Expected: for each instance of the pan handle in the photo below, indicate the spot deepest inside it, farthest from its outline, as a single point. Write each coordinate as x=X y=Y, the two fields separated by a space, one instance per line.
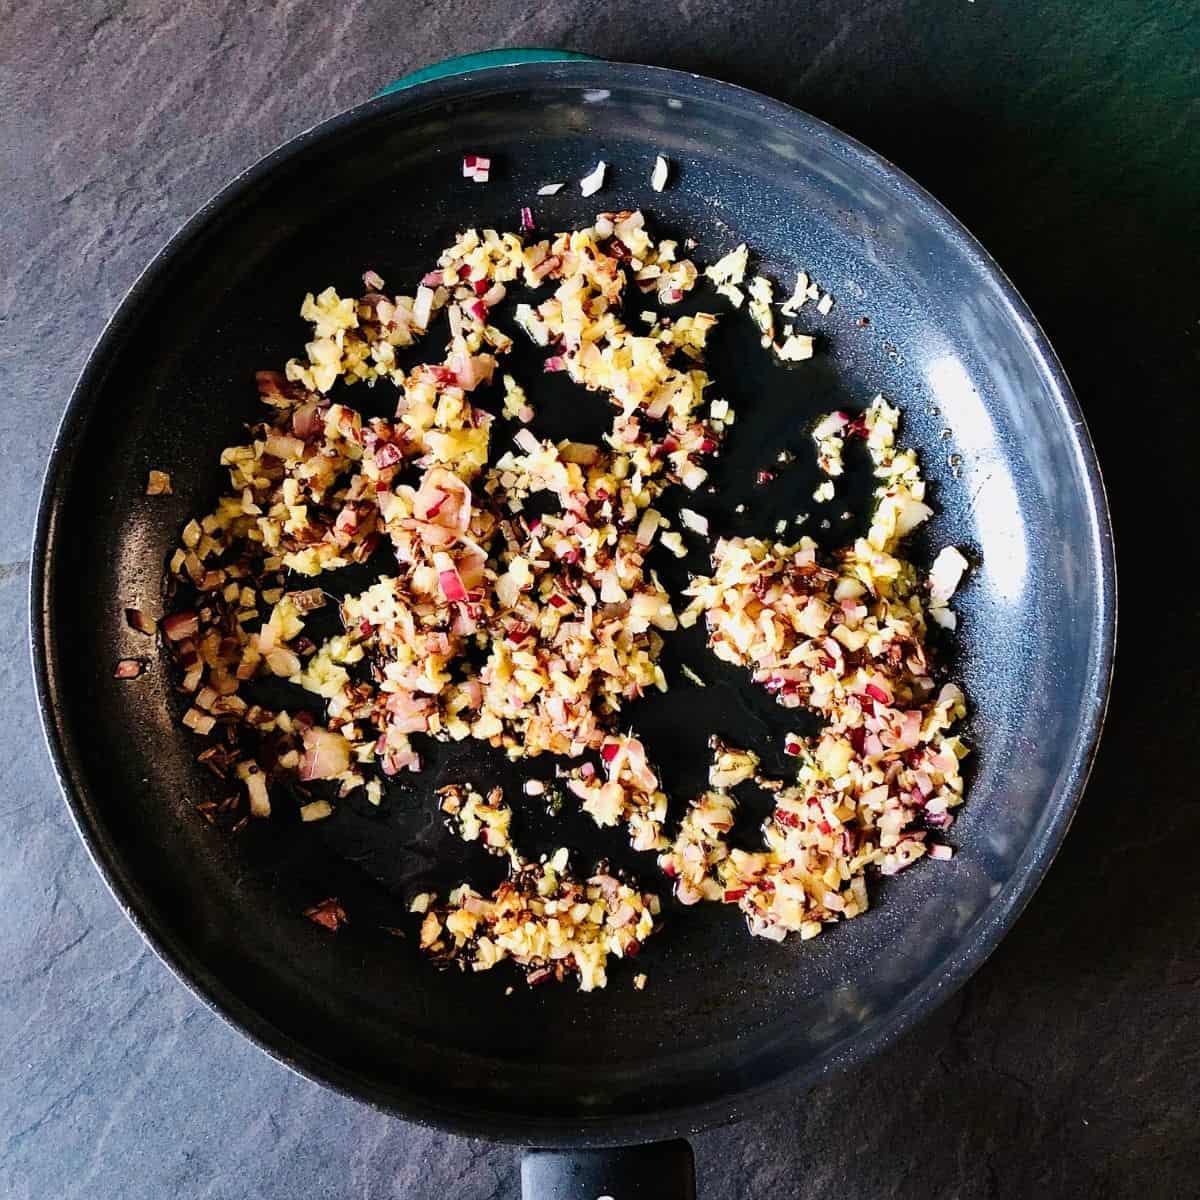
x=658 y=1171
x=463 y=63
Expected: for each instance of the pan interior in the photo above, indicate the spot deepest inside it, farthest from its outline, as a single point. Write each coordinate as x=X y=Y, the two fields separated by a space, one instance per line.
x=722 y=1013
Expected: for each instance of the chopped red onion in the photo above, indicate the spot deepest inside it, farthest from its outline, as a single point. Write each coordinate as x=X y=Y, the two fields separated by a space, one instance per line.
x=452 y=585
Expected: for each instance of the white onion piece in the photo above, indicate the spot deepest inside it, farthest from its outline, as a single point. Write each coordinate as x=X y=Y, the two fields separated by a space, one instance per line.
x=527 y=441
x=592 y=182
x=658 y=180
x=946 y=573
x=422 y=307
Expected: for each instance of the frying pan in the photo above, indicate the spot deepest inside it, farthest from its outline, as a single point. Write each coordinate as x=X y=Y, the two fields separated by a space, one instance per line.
x=726 y=1021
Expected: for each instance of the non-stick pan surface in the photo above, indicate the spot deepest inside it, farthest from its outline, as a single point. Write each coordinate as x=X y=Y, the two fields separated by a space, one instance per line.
x=922 y=314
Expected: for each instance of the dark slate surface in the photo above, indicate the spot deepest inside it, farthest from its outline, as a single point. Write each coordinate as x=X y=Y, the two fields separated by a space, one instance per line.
x=1064 y=135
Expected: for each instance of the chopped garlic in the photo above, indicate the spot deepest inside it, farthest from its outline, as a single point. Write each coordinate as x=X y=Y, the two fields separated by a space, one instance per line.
x=158 y=484
x=728 y=272
x=798 y=298
x=674 y=543
x=761 y=295
x=796 y=348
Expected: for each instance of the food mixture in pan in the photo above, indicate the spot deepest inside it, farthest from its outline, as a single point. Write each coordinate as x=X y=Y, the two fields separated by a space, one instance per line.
x=534 y=633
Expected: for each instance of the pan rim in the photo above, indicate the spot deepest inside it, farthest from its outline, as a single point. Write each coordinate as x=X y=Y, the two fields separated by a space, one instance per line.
x=609 y=1129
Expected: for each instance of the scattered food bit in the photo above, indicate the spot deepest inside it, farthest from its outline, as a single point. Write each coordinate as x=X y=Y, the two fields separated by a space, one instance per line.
x=796 y=347
x=593 y=181
x=730 y=765
x=516 y=404
x=761 y=297
x=660 y=174
x=251 y=775
x=674 y=542
x=691 y=675
x=728 y=272
x=639 y=982
x=527 y=219
x=476 y=819
x=739 y=509
x=944 y=577
x=128 y=668
x=137 y=620
x=196 y=719
x=546 y=921
x=373 y=281
x=805 y=290
x=799 y=296
x=329 y=914
x=829 y=433
x=316 y=810
x=824 y=492
x=550 y=189
x=476 y=168
x=158 y=484
x=694 y=521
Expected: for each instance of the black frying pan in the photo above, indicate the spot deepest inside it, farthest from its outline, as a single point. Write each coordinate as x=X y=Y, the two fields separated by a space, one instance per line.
x=725 y=1019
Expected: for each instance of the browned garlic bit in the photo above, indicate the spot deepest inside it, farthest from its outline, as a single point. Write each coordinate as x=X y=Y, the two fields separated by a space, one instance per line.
x=158 y=483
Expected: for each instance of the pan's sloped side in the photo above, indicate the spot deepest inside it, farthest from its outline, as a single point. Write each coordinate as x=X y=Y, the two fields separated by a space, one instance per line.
x=724 y=1018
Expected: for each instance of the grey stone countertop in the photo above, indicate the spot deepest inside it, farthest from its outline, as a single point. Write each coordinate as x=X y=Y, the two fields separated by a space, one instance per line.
x=1065 y=136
